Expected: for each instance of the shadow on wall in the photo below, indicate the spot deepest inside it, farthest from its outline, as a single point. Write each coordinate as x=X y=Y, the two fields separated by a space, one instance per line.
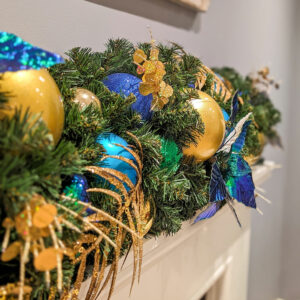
x=162 y=11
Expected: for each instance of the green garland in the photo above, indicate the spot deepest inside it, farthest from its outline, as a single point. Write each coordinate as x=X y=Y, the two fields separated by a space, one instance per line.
x=178 y=187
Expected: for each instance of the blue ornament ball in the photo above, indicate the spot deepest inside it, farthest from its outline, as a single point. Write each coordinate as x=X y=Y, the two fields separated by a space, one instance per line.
x=225 y=115
x=77 y=189
x=108 y=141
x=125 y=84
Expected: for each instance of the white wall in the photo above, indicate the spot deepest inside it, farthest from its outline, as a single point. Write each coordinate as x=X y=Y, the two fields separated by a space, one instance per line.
x=245 y=34
x=290 y=276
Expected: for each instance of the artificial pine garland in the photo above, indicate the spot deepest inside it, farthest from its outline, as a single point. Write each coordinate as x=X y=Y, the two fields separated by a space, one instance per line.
x=175 y=187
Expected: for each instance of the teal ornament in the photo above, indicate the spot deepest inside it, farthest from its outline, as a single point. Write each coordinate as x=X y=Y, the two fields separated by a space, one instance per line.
x=126 y=84
x=225 y=115
x=171 y=155
x=109 y=141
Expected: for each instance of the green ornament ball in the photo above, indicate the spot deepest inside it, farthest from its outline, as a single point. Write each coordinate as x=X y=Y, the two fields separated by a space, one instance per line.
x=171 y=155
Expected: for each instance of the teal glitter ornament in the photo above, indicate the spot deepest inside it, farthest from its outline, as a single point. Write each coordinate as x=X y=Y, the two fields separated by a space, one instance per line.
x=171 y=155
x=110 y=143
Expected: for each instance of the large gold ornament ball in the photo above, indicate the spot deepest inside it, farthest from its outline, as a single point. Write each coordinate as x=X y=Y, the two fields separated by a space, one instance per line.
x=252 y=159
x=84 y=98
x=36 y=90
x=212 y=117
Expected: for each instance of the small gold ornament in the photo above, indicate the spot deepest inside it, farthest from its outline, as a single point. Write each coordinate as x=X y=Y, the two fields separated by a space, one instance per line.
x=252 y=159
x=212 y=117
x=36 y=90
x=84 y=98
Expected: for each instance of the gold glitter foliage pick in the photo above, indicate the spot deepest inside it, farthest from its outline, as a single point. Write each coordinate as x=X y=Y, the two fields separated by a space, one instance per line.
x=223 y=88
x=217 y=86
x=133 y=217
x=36 y=222
x=153 y=72
x=41 y=224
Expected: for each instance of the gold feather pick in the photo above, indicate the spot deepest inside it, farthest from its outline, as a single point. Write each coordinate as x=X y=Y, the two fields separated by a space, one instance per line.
x=131 y=207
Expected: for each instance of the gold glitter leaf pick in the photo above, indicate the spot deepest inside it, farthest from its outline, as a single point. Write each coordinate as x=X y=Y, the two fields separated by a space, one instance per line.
x=7 y=222
x=139 y=56
x=12 y=251
x=154 y=71
x=165 y=90
x=146 y=88
x=44 y=216
x=26 y=289
x=149 y=66
x=154 y=54
x=47 y=259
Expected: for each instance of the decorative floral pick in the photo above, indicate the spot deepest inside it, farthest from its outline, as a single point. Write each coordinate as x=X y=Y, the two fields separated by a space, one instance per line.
x=153 y=71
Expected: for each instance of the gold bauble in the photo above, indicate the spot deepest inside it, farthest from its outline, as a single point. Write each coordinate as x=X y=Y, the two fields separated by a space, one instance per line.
x=252 y=159
x=36 y=90
x=84 y=98
x=212 y=117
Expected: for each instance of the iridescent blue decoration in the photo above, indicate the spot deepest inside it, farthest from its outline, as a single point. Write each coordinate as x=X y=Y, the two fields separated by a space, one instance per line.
x=77 y=189
x=238 y=176
x=108 y=141
x=208 y=212
x=16 y=55
x=125 y=84
x=217 y=187
x=234 y=107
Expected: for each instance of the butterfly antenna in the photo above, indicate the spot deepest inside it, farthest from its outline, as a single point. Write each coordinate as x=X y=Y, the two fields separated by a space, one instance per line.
x=233 y=211
x=263 y=197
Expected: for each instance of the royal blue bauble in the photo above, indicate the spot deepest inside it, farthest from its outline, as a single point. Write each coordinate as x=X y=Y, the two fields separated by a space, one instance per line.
x=108 y=141
x=77 y=188
x=225 y=115
x=126 y=84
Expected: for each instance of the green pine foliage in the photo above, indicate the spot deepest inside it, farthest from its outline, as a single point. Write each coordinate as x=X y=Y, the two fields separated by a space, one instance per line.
x=177 y=121
x=265 y=114
x=31 y=164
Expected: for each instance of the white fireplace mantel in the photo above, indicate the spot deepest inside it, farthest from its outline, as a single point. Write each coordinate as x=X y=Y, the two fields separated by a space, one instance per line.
x=208 y=258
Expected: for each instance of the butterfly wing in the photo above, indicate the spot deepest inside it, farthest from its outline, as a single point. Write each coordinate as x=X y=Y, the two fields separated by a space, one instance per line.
x=239 y=181
x=239 y=176
x=209 y=212
x=240 y=141
x=234 y=107
x=217 y=187
x=234 y=134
